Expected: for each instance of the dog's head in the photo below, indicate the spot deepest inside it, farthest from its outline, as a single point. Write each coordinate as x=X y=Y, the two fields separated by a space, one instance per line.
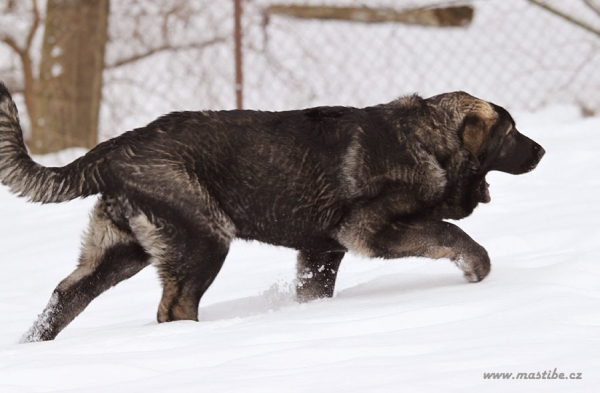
x=488 y=132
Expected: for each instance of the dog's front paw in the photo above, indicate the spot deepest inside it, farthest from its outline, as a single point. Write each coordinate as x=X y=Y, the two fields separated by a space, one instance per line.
x=475 y=266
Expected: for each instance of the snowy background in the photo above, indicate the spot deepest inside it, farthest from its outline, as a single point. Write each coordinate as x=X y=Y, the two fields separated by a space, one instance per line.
x=407 y=325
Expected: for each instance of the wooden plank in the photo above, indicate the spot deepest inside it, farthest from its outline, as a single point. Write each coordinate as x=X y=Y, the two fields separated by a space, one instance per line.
x=451 y=16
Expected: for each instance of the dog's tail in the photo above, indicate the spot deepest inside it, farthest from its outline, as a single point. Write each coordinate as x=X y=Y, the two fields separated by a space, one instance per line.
x=28 y=179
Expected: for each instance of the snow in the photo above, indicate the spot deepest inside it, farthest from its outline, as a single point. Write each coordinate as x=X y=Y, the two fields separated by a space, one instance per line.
x=411 y=325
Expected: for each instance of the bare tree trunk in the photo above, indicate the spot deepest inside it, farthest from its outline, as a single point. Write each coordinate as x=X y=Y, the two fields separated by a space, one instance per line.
x=69 y=89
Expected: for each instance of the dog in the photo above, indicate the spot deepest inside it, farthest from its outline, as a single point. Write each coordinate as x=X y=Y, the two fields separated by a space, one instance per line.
x=377 y=181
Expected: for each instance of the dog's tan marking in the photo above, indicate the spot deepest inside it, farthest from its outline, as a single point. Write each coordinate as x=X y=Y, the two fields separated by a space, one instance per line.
x=150 y=238
x=101 y=235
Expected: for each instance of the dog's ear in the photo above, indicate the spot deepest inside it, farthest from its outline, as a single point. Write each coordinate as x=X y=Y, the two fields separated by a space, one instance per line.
x=473 y=134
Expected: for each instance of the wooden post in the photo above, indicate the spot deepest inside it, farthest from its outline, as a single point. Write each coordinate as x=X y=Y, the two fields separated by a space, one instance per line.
x=438 y=16
x=239 y=72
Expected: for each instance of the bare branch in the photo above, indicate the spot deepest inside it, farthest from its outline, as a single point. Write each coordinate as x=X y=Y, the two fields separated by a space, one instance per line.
x=165 y=22
x=12 y=44
x=34 y=26
x=165 y=48
x=10 y=41
x=565 y=16
x=594 y=7
x=29 y=81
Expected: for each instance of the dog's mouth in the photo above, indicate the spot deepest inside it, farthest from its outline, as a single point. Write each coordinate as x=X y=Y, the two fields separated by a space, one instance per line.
x=484 y=192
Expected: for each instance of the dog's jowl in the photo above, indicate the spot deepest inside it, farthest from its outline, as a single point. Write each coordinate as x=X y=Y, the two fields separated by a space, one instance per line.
x=376 y=181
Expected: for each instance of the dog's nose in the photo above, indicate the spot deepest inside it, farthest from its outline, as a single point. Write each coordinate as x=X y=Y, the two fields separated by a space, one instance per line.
x=540 y=151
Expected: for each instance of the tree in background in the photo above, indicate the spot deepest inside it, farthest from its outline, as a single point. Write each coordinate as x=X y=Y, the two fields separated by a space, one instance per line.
x=60 y=67
x=69 y=88
x=64 y=100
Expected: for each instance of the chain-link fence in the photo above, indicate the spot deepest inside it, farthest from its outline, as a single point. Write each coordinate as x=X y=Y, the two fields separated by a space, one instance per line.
x=513 y=53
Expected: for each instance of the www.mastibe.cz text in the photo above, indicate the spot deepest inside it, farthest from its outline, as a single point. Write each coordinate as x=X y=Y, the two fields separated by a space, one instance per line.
x=548 y=374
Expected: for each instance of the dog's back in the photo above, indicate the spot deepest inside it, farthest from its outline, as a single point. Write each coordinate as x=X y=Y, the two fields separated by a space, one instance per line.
x=277 y=176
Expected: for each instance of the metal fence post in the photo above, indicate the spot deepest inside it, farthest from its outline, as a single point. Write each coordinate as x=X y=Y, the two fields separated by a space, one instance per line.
x=239 y=72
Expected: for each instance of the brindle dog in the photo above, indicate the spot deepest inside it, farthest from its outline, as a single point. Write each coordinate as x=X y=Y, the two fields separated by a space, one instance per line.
x=376 y=181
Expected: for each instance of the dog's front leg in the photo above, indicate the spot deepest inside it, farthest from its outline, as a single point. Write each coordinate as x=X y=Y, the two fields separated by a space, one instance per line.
x=422 y=238
x=317 y=272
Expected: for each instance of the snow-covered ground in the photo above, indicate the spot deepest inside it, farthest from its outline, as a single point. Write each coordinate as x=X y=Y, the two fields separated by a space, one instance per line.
x=411 y=325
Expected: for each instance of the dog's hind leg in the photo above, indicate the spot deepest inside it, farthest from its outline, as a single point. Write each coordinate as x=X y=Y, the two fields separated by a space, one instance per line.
x=110 y=254
x=186 y=280
x=316 y=274
x=188 y=253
